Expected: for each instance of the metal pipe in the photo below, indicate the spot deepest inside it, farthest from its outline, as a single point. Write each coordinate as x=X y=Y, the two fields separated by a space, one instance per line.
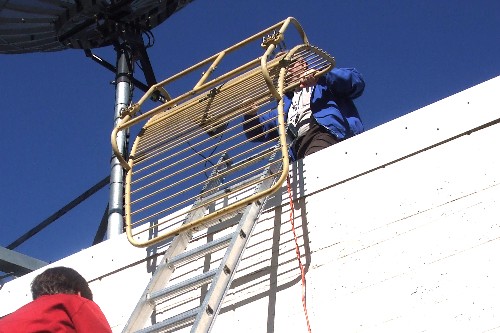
x=122 y=101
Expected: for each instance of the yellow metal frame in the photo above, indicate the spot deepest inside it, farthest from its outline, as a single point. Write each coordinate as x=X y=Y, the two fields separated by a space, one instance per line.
x=208 y=105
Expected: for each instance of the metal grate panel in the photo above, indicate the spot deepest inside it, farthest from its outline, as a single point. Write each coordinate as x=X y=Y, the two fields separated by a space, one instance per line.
x=192 y=152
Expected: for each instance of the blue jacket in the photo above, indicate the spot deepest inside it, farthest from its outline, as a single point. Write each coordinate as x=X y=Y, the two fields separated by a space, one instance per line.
x=331 y=104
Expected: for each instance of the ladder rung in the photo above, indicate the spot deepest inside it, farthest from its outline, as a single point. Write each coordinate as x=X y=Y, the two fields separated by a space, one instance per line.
x=181 y=287
x=202 y=250
x=177 y=321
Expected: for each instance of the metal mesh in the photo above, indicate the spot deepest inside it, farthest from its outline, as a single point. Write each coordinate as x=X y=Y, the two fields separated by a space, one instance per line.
x=193 y=164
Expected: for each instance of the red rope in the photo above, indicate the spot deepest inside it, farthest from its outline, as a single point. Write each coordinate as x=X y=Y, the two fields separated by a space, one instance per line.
x=297 y=251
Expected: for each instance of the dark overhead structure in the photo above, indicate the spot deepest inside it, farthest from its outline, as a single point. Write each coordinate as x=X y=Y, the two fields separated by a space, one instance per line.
x=53 y=25
x=28 y=26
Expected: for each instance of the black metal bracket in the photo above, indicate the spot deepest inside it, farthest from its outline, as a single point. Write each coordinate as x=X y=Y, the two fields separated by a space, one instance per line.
x=146 y=67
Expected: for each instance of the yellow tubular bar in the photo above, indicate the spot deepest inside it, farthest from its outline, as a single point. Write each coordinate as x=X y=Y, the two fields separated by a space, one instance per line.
x=192 y=164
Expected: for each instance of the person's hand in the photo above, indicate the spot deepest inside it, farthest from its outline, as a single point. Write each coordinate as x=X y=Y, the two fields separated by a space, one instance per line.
x=308 y=79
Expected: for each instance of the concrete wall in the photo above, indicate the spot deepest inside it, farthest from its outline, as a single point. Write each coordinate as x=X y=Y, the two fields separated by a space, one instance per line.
x=398 y=228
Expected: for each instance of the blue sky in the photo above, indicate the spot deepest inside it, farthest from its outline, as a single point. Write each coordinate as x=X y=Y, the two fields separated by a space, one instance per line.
x=57 y=108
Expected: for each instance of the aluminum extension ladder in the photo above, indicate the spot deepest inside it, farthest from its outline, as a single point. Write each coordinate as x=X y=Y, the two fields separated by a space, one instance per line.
x=164 y=172
x=202 y=318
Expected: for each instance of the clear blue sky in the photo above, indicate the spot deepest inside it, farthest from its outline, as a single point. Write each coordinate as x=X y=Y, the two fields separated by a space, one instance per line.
x=57 y=108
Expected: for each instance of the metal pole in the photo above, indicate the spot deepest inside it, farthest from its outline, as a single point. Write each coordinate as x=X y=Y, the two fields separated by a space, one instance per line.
x=122 y=100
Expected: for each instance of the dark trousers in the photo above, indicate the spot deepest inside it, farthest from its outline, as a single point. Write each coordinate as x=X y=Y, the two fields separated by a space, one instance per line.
x=316 y=138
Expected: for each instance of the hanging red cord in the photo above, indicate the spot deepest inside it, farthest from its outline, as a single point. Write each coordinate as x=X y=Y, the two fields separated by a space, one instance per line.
x=297 y=251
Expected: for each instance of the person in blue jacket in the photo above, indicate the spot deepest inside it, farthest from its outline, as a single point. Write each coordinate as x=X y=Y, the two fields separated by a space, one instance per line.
x=318 y=114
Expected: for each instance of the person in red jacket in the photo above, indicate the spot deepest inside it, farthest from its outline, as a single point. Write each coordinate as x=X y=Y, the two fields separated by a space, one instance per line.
x=62 y=302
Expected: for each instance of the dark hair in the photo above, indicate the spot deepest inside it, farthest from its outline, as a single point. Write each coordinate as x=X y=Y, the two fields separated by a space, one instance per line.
x=60 y=280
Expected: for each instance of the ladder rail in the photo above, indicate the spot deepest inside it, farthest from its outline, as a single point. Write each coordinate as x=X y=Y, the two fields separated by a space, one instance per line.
x=164 y=271
x=228 y=267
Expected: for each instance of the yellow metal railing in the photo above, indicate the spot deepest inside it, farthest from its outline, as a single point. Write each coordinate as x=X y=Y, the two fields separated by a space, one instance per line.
x=192 y=155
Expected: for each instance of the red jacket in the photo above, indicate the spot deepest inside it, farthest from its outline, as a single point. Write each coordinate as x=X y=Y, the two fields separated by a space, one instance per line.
x=60 y=313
